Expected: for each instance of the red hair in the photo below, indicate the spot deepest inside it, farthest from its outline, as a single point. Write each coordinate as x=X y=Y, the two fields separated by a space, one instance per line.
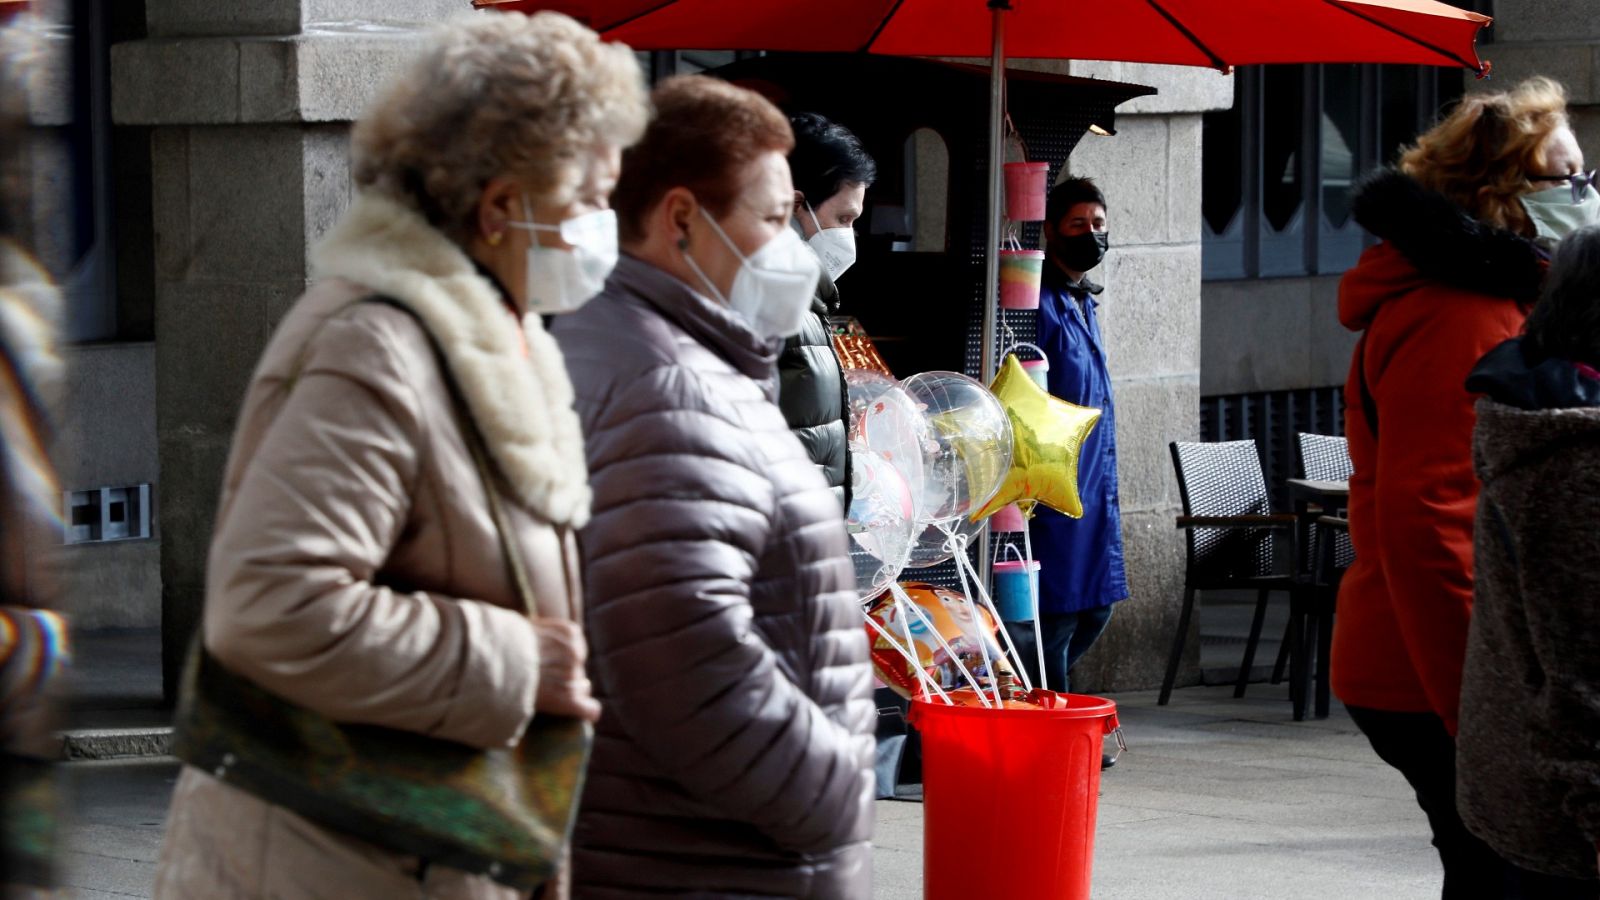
x=704 y=132
x=1494 y=141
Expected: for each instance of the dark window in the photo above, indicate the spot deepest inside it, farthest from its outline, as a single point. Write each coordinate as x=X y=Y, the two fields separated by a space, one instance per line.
x=1278 y=167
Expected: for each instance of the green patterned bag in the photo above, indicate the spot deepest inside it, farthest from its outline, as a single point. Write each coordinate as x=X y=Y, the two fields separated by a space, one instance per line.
x=506 y=814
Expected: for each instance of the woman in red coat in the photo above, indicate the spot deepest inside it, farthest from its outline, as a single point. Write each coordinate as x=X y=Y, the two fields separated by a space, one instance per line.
x=1461 y=219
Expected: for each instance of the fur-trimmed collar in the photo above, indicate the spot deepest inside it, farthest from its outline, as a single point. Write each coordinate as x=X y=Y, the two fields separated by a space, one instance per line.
x=1444 y=243
x=522 y=405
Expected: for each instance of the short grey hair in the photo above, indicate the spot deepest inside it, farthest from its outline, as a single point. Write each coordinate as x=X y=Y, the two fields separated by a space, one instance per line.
x=495 y=94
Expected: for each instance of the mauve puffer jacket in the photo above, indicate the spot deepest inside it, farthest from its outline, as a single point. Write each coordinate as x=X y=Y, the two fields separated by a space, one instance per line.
x=734 y=756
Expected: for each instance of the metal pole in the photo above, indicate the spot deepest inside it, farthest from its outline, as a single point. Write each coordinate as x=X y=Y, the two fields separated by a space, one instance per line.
x=991 y=258
x=997 y=112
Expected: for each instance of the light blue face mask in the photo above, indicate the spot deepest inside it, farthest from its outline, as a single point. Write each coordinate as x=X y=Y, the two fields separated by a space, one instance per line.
x=1555 y=214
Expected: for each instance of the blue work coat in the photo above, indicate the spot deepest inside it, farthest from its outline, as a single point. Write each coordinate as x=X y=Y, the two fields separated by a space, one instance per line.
x=1081 y=563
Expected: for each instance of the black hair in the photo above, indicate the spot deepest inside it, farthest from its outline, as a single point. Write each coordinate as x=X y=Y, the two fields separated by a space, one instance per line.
x=1069 y=193
x=1565 y=324
x=826 y=156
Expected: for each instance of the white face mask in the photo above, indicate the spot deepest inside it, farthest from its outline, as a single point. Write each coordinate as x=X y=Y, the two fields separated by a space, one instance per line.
x=561 y=280
x=836 y=247
x=774 y=287
x=1555 y=216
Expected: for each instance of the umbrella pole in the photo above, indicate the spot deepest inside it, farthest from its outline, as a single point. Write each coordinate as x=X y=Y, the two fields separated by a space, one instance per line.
x=997 y=112
x=991 y=259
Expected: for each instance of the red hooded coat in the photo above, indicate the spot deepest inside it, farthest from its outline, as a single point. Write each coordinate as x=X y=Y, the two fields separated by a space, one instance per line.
x=1438 y=293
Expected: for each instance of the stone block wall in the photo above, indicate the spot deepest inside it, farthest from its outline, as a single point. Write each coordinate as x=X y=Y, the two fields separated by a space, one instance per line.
x=1272 y=334
x=1150 y=316
x=106 y=437
x=248 y=108
x=1558 y=38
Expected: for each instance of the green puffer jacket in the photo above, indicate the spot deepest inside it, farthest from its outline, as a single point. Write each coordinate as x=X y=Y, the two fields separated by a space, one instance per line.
x=812 y=394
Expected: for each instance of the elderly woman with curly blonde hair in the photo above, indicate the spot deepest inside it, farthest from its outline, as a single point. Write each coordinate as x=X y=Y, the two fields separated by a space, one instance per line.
x=395 y=546
x=1463 y=221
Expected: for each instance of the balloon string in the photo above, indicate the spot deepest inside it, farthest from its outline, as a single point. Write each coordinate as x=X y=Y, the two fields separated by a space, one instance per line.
x=915 y=665
x=1016 y=657
x=901 y=597
x=977 y=620
x=1010 y=549
x=1033 y=592
x=1014 y=346
x=905 y=629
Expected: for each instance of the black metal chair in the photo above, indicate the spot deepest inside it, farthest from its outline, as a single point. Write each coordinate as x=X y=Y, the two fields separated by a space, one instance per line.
x=1322 y=458
x=1233 y=538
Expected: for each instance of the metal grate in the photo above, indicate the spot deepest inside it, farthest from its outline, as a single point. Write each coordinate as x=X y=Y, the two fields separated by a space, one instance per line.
x=1326 y=457
x=1272 y=419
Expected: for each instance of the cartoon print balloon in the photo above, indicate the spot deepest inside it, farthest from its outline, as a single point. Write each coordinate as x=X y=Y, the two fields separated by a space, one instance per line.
x=1048 y=435
x=884 y=419
x=969 y=443
x=881 y=523
x=949 y=612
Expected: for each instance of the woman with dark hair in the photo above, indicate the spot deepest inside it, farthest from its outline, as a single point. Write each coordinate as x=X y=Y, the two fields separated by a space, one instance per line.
x=1456 y=270
x=831 y=175
x=1528 y=770
x=733 y=758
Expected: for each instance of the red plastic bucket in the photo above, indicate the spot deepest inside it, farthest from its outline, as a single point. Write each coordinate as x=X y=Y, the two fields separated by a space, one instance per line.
x=1009 y=797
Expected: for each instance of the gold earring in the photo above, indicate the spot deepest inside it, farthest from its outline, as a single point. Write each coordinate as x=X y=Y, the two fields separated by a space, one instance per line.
x=494 y=238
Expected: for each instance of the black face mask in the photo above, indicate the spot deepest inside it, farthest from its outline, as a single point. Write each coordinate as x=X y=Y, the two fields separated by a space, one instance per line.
x=1080 y=252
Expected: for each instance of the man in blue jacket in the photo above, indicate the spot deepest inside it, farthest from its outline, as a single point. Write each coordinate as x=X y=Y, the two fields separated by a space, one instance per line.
x=1081 y=568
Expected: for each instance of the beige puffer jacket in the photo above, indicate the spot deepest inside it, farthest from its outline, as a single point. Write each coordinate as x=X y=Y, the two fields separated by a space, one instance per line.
x=733 y=758
x=356 y=569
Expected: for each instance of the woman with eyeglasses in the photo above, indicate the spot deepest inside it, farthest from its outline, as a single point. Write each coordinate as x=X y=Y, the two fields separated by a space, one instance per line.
x=1461 y=218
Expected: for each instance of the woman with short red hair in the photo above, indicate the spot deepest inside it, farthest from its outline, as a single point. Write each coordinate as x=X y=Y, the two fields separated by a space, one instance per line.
x=734 y=754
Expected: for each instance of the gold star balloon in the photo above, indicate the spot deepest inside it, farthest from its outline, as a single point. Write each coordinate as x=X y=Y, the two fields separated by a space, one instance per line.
x=1048 y=435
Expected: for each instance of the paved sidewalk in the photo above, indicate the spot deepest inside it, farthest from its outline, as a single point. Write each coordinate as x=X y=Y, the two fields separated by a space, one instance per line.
x=1232 y=800
x=1218 y=798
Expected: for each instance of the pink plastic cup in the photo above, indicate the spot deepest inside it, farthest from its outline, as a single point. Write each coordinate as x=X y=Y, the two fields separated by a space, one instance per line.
x=1008 y=519
x=1039 y=371
x=1026 y=190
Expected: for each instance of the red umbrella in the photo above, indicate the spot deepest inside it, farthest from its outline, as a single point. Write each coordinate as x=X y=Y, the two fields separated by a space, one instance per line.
x=1216 y=33
x=1219 y=33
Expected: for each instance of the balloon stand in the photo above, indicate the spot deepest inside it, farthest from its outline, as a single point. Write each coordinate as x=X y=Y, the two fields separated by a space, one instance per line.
x=1031 y=770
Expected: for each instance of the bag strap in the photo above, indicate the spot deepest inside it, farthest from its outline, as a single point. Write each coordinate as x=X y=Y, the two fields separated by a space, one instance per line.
x=476 y=446
x=1369 y=406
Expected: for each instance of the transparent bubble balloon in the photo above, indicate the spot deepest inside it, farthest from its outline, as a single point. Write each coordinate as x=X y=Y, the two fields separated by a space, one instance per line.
x=885 y=420
x=968 y=449
x=881 y=523
x=932 y=546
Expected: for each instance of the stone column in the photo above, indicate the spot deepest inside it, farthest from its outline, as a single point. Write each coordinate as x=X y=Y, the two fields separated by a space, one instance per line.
x=1150 y=315
x=250 y=105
